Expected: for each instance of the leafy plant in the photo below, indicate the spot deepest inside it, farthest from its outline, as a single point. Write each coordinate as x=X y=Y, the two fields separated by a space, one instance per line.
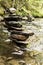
x=24 y=7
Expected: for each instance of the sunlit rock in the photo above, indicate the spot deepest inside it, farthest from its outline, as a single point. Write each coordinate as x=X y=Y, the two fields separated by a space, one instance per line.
x=8 y=40
x=12 y=10
x=22 y=62
x=5 y=31
x=1 y=18
x=17 y=52
x=14 y=24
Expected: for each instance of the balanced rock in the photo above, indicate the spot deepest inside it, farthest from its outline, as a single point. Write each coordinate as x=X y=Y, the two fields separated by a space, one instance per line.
x=14 y=24
x=13 y=28
x=19 y=37
x=17 y=53
x=18 y=33
x=26 y=33
x=13 y=18
x=20 y=42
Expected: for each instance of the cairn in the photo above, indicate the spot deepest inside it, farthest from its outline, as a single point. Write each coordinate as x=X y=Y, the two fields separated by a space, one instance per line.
x=18 y=34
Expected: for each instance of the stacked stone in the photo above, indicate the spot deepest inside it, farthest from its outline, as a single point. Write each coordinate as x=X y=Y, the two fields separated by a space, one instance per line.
x=18 y=35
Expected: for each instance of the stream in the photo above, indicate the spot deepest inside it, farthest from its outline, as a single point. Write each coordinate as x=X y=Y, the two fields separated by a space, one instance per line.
x=34 y=53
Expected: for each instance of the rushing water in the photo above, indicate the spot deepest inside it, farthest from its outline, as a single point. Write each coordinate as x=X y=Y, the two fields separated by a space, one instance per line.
x=34 y=53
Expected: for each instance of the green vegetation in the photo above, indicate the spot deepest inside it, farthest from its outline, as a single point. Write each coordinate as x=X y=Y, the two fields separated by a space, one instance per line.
x=24 y=7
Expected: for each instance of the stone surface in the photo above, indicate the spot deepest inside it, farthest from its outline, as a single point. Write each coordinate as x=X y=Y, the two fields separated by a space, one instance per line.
x=13 y=28
x=32 y=55
x=1 y=18
x=20 y=42
x=17 y=53
x=26 y=33
x=13 y=18
x=19 y=37
x=13 y=24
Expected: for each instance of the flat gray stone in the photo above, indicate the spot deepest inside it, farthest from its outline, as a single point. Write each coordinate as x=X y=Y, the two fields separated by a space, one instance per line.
x=17 y=53
x=28 y=32
x=20 y=42
x=13 y=24
x=13 y=28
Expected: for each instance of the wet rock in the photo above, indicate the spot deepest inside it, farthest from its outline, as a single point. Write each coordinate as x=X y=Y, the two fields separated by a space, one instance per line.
x=25 y=49
x=22 y=35
x=9 y=58
x=19 y=37
x=13 y=18
x=13 y=28
x=17 y=52
x=20 y=42
x=14 y=24
x=22 y=62
x=16 y=48
x=12 y=31
x=26 y=33
x=5 y=31
x=19 y=34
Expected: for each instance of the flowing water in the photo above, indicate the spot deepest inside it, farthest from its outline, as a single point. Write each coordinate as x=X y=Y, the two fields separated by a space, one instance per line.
x=34 y=53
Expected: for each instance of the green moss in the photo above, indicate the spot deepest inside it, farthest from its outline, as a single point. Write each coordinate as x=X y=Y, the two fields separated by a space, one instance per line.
x=25 y=7
x=1 y=11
